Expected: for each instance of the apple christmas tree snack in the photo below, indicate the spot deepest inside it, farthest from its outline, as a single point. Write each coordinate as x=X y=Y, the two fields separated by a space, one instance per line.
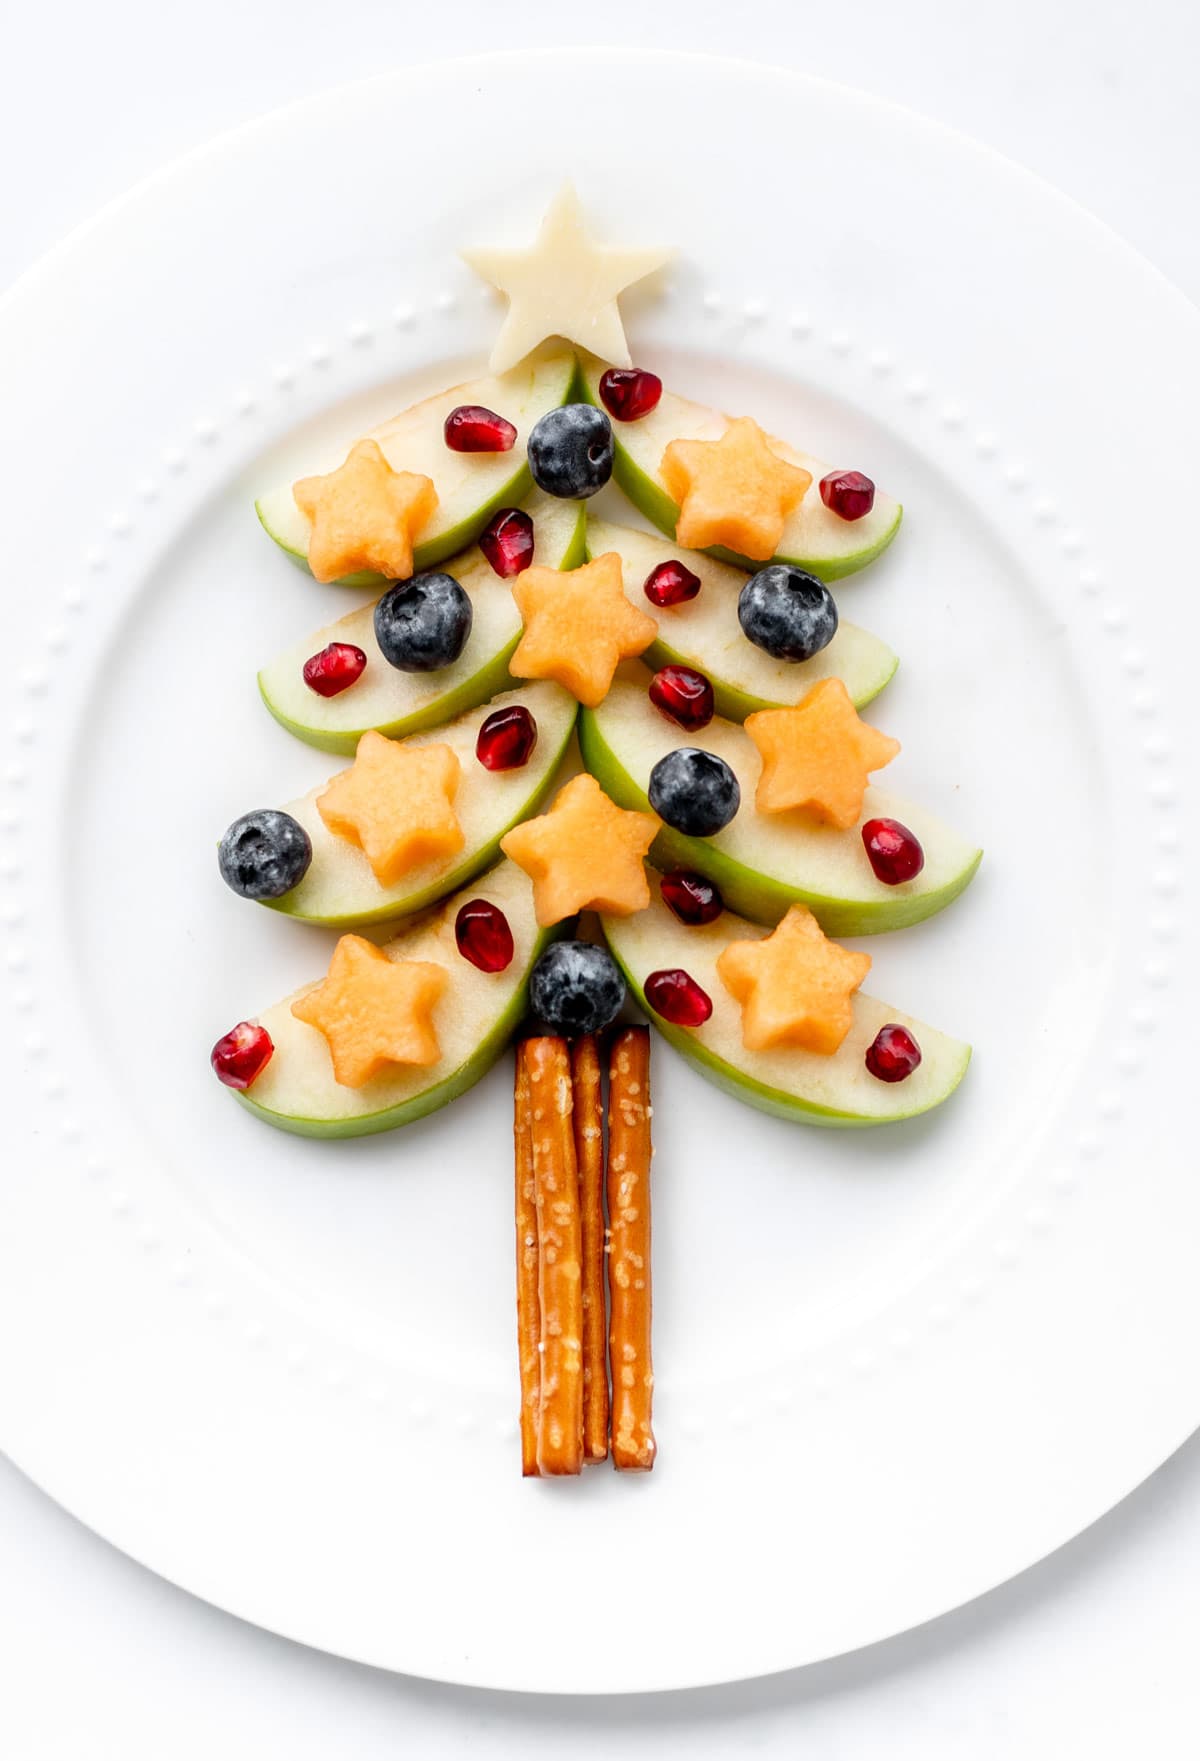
x=726 y=824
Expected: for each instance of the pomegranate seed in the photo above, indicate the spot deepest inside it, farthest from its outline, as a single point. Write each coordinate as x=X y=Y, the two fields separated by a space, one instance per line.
x=893 y=1054
x=628 y=392
x=241 y=1056
x=471 y=428
x=483 y=936
x=848 y=494
x=894 y=852
x=670 y=584
x=335 y=669
x=692 y=898
x=683 y=695
x=507 y=542
x=675 y=995
x=506 y=739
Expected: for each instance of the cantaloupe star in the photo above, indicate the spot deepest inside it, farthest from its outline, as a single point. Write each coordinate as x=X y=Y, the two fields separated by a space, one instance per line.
x=397 y=803
x=586 y=854
x=563 y=284
x=795 y=986
x=579 y=626
x=364 y=515
x=374 y=1011
x=818 y=756
x=733 y=491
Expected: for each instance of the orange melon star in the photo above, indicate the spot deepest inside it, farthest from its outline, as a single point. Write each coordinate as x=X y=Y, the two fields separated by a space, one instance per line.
x=397 y=803
x=818 y=756
x=579 y=627
x=585 y=854
x=364 y=515
x=795 y=986
x=734 y=491
x=374 y=1011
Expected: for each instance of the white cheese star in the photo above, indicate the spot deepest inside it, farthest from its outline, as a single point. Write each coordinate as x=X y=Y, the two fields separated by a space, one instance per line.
x=563 y=284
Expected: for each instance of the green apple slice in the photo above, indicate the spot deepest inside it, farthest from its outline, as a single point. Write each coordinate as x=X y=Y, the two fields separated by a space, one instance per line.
x=399 y=703
x=704 y=633
x=340 y=889
x=765 y=862
x=470 y=486
x=475 y=1019
x=793 y=1084
x=814 y=538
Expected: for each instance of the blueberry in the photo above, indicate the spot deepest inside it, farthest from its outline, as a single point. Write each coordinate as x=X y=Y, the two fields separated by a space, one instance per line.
x=423 y=624
x=576 y=987
x=264 y=855
x=694 y=791
x=571 y=451
x=788 y=612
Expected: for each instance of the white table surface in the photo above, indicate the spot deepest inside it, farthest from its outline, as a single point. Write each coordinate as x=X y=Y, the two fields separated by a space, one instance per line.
x=1093 y=1652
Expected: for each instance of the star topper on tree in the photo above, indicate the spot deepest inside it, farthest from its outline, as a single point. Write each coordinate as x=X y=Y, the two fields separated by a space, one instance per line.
x=563 y=284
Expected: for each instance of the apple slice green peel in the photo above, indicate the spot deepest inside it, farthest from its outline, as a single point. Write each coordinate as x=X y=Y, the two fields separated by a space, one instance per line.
x=814 y=538
x=793 y=1084
x=475 y=1019
x=340 y=889
x=470 y=486
x=397 y=703
x=765 y=862
x=705 y=633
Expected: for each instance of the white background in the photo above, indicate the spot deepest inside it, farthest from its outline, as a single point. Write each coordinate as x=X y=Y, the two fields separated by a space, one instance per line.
x=1093 y=1653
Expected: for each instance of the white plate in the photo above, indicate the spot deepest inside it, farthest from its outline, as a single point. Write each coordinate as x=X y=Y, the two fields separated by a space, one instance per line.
x=894 y=1367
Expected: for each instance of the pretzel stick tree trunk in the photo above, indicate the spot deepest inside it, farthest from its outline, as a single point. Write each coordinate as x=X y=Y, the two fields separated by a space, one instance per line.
x=529 y=1319
x=560 y=1286
x=589 y=1154
x=629 y=1153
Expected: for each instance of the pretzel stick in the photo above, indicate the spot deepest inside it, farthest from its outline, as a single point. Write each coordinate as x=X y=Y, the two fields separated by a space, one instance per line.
x=529 y=1320
x=589 y=1154
x=629 y=1152
x=560 y=1288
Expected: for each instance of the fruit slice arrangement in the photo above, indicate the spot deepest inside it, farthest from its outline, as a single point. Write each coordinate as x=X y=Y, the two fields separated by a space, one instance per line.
x=717 y=693
x=678 y=975
x=711 y=620
x=364 y=682
x=412 y=819
x=777 y=814
x=470 y=1012
x=686 y=466
x=466 y=445
x=764 y=862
